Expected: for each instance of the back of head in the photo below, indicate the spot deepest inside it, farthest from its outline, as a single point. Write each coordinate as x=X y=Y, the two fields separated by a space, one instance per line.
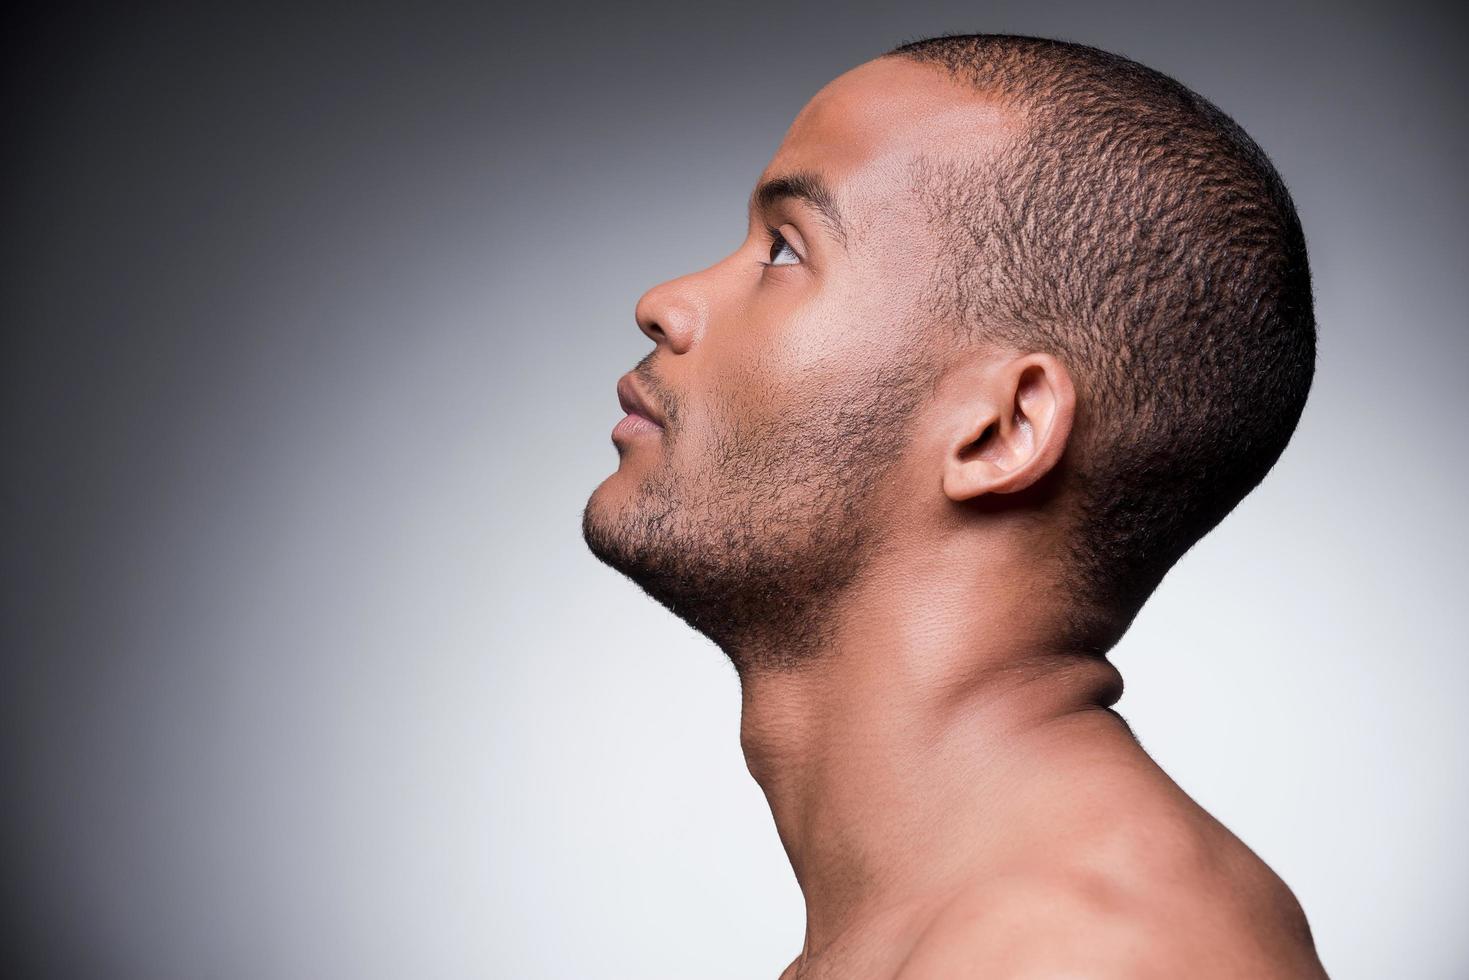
x=1135 y=231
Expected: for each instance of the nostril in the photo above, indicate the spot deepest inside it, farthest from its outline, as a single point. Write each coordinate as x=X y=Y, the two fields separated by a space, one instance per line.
x=670 y=314
x=650 y=325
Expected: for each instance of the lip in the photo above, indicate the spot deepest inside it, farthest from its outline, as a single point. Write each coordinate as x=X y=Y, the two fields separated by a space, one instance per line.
x=633 y=426
x=635 y=403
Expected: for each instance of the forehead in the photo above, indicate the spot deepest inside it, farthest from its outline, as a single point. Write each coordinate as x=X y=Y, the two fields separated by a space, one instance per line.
x=864 y=128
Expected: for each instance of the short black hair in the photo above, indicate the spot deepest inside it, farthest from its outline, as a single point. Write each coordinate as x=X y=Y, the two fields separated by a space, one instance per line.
x=1134 y=230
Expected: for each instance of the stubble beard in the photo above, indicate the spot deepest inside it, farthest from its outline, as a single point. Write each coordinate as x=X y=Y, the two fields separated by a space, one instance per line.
x=759 y=551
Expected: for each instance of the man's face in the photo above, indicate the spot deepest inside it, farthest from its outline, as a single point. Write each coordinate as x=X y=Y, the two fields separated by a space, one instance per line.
x=791 y=391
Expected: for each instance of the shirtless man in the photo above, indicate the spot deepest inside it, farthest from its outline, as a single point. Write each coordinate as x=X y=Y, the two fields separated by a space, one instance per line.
x=1015 y=322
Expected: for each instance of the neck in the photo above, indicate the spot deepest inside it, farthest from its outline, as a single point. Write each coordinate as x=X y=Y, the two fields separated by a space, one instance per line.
x=887 y=759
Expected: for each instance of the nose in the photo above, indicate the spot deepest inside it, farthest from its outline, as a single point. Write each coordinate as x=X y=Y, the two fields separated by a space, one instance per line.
x=673 y=312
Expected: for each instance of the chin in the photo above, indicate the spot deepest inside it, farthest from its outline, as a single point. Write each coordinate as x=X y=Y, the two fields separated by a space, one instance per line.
x=603 y=518
x=596 y=510
x=615 y=491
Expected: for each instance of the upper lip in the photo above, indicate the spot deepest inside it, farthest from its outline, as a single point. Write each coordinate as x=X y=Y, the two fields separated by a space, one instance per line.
x=634 y=402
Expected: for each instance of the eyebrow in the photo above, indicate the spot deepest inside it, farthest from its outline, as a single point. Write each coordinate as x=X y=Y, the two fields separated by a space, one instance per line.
x=802 y=185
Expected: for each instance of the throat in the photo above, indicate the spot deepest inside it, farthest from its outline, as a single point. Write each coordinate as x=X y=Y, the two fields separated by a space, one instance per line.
x=888 y=776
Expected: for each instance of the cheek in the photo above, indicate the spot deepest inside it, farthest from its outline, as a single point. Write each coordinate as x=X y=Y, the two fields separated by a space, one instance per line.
x=749 y=395
x=750 y=367
x=789 y=355
x=834 y=343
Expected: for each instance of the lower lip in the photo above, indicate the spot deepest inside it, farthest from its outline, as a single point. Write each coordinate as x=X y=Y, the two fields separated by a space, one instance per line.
x=635 y=425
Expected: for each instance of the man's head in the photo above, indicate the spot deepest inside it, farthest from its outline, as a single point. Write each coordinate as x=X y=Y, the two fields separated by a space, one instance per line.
x=1022 y=293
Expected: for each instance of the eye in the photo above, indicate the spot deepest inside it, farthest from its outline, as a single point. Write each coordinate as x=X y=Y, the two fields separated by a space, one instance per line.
x=781 y=252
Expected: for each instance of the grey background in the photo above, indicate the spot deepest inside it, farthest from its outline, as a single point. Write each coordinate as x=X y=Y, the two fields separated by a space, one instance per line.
x=312 y=320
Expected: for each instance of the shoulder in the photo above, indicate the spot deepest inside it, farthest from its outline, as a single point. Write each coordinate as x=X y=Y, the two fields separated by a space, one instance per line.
x=1022 y=926
x=1184 y=913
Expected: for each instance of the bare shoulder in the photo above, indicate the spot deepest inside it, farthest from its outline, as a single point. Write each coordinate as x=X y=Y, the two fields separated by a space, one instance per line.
x=1025 y=926
x=1166 y=900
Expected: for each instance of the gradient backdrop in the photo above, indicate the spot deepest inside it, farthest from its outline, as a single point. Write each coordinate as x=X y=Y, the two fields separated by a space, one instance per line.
x=311 y=324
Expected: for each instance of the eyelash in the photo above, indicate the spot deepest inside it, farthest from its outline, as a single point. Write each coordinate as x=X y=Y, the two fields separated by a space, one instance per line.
x=773 y=235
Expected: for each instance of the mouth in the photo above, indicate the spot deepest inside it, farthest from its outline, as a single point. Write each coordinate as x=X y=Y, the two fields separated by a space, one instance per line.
x=642 y=417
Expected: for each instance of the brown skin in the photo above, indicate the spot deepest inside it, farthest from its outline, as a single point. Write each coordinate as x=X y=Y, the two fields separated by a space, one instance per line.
x=954 y=794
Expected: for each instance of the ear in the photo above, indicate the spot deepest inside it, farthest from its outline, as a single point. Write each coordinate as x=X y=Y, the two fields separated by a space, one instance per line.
x=1015 y=430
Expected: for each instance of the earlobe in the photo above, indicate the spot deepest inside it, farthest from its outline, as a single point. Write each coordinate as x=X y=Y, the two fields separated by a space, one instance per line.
x=1019 y=433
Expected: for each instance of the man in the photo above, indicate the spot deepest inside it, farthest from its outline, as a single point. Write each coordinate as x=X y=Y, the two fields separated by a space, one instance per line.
x=1015 y=323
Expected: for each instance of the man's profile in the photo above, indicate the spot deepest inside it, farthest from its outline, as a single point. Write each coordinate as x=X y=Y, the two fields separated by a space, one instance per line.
x=1015 y=323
